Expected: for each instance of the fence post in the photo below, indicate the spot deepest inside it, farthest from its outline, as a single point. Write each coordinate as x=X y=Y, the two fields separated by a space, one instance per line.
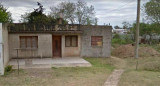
x=17 y=61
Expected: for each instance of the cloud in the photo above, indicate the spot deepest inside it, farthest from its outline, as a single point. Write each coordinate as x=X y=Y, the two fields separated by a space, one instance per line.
x=107 y=11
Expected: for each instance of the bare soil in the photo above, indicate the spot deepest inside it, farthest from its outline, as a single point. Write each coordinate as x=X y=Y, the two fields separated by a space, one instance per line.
x=126 y=51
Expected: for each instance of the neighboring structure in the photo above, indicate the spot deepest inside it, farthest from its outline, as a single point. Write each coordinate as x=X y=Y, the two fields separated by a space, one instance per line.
x=50 y=41
x=120 y=31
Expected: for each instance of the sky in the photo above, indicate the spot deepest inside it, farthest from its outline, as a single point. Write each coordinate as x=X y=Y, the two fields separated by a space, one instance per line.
x=112 y=12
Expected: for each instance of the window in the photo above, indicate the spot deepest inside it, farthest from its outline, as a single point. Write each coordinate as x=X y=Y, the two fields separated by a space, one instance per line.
x=28 y=41
x=71 y=41
x=96 y=41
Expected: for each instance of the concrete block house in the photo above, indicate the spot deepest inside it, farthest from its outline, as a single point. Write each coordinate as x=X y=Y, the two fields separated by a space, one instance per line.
x=55 y=41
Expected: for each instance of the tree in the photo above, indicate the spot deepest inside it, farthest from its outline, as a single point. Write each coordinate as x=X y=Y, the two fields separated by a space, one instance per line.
x=39 y=18
x=35 y=17
x=75 y=12
x=83 y=12
x=5 y=16
x=149 y=30
x=152 y=10
x=116 y=27
x=67 y=9
x=126 y=25
x=96 y=21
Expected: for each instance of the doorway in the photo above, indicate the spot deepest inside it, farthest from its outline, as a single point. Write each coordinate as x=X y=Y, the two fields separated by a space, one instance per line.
x=56 y=46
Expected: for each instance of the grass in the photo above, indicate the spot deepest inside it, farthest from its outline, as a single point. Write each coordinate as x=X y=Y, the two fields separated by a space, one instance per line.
x=74 y=76
x=140 y=78
x=155 y=46
x=148 y=73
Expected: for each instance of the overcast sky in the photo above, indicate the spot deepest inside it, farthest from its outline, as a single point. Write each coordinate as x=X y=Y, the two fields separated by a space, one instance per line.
x=107 y=11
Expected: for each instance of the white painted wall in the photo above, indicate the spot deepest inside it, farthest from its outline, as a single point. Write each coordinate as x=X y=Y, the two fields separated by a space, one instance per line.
x=5 y=44
x=1 y=52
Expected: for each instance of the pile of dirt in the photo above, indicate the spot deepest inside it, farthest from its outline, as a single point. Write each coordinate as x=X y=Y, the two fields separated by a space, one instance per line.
x=126 y=51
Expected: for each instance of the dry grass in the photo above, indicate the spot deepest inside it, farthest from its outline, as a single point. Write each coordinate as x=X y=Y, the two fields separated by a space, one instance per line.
x=77 y=76
x=148 y=73
x=140 y=78
x=125 y=51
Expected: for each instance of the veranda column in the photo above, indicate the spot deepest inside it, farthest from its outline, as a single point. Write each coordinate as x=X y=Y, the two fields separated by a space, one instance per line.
x=1 y=52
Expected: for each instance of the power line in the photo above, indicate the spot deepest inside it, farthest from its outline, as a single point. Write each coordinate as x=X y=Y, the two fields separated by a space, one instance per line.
x=122 y=6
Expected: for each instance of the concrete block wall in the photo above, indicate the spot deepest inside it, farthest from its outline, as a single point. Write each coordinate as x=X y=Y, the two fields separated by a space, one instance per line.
x=84 y=43
x=44 y=45
x=89 y=51
x=71 y=51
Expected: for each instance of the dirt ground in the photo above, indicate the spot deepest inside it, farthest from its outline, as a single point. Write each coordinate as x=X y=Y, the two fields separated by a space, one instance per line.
x=125 y=51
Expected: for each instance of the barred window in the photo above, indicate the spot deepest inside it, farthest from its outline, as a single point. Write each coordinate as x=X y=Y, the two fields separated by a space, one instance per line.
x=96 y=41
x=71 y=41
x=28 y=42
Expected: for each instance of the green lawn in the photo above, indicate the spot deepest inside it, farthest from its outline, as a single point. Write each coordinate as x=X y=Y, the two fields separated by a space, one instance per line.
x=74 y=76
x=148 y=73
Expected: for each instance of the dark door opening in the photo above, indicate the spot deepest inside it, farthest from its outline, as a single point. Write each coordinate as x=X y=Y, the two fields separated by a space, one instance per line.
x=56 y=40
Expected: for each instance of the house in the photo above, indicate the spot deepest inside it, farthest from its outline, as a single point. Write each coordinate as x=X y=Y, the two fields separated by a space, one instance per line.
x=53 y=41
x=120 y=31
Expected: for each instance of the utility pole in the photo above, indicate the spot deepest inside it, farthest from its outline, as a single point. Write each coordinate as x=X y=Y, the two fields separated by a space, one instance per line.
x=137 y=32
x=137 y=29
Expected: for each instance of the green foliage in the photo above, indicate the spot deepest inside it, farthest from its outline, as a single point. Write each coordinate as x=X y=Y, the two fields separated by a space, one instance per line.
x=117 y=36
x=152 y=9
x=38 y=17
x=8 y=68
x=126 y=25
x=147 y=28
x=5 y=16
x=119 y=39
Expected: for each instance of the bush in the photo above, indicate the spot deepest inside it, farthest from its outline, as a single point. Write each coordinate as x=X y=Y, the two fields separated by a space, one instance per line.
x=116 y=36
x=121 y=39
x=8 y=68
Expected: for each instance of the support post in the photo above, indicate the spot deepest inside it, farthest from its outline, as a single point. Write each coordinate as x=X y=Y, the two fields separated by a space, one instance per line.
x=17 y=61
x=1 y=52
x=137 y=33
x=137 y=30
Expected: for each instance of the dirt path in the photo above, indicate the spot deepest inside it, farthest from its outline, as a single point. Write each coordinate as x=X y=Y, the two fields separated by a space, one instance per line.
x=114 y=78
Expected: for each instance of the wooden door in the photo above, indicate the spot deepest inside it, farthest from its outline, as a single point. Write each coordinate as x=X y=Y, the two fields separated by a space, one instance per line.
x=56 y=40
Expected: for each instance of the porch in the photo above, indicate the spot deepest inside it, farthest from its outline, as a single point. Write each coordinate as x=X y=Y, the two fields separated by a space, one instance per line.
x=49 y=62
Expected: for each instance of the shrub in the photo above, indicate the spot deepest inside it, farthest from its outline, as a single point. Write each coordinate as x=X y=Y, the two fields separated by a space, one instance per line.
x=116 y=36
x=121 y=39
x=8 y=68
